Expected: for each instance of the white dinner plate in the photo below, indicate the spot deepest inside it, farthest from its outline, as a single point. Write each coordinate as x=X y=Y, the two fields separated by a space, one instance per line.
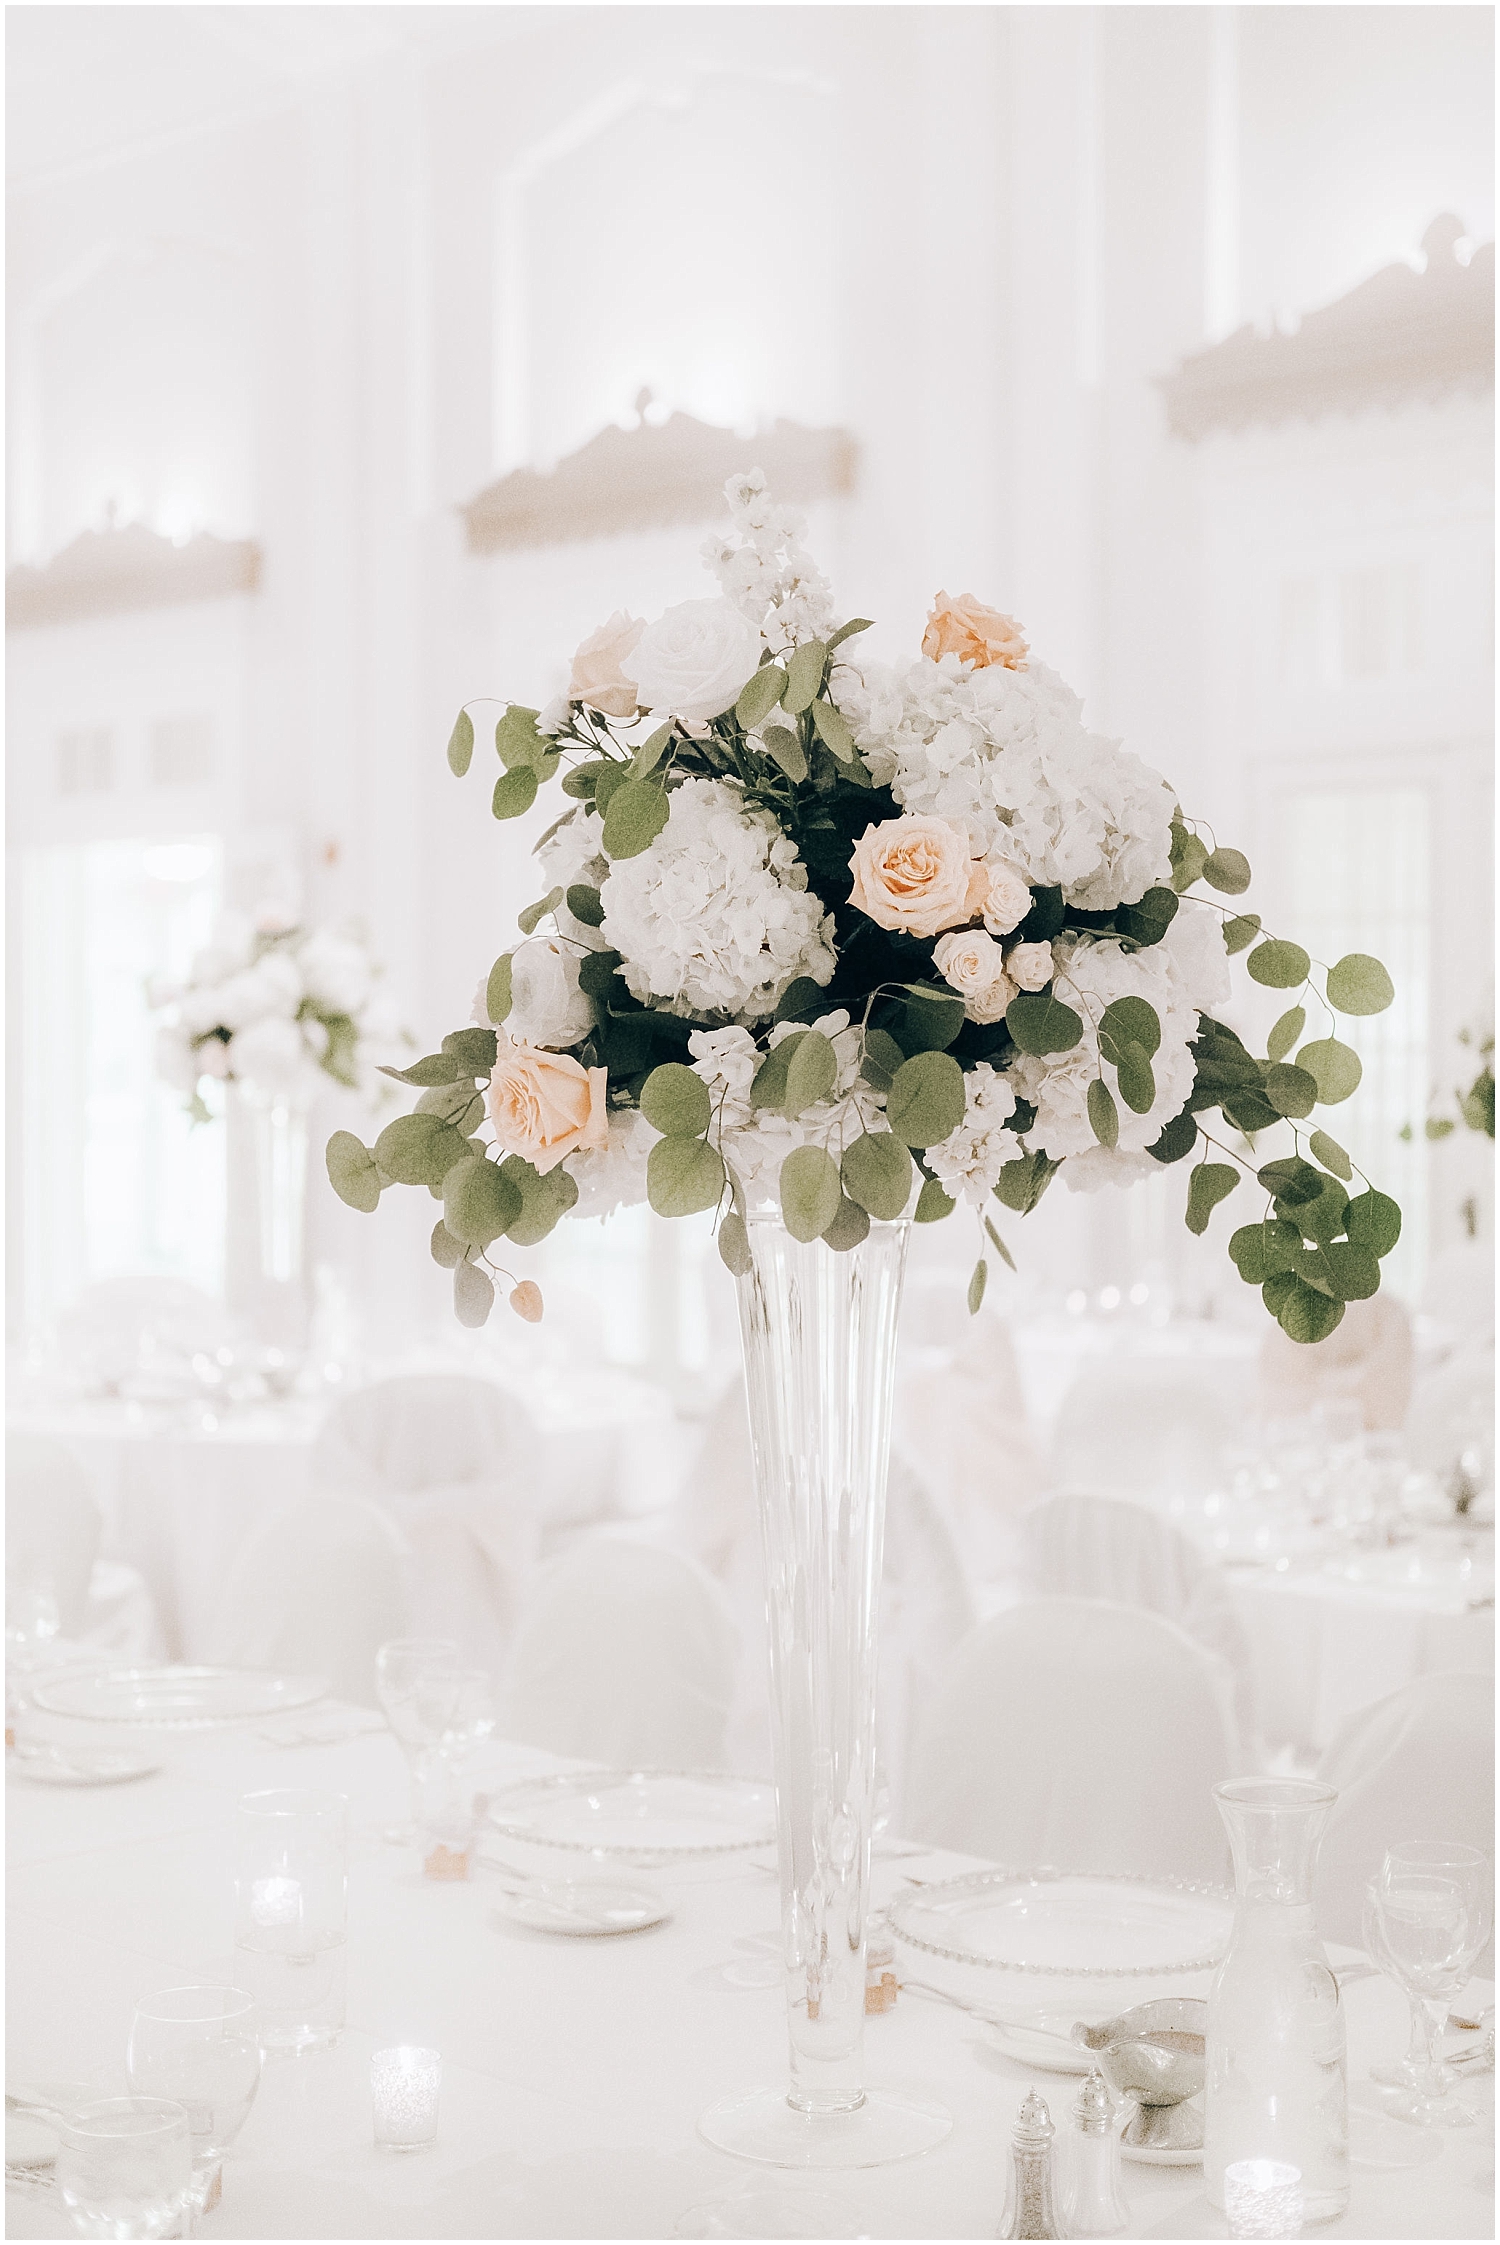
x=642 y=1815
x=55 y=1765
x=1077 y=1925
x=1042 y=2039
x=590 y=1909
x=176 y=1698
x=1160 y=2155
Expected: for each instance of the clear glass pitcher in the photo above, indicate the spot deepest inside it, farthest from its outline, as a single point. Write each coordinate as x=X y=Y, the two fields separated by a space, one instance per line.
x=1277 y=2083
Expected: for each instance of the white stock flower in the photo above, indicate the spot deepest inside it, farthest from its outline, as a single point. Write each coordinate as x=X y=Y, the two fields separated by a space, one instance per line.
x=546 y=1005
x=715 y=916
x=693 y=661
x=270 y=1055
x=765 y=571
x=336 y=972
x=1089 y=976
x=615 y=1175
x=967 y=1162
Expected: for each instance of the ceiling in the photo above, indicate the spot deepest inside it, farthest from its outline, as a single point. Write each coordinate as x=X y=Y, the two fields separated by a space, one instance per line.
x=88 y=85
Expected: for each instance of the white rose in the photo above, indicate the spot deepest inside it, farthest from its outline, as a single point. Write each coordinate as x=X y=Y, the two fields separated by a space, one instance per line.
x=973 y=964
x=1030 y=966
x=693 y=661
x=270 y=1055
x=547 y=1007
x=1008 y=899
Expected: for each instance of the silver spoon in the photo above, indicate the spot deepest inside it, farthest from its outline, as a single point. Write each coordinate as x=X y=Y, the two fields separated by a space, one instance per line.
x=977 y=2011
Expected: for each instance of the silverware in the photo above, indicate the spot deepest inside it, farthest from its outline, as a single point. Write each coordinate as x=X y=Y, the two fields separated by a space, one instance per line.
x=1481 y=2060
x=1471 y=2026
x=977 y=2011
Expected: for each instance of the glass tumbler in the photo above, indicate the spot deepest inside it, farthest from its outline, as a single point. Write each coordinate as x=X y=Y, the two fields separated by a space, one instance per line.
x=124 y=2167
x=200 y=2047
x=291 y=1914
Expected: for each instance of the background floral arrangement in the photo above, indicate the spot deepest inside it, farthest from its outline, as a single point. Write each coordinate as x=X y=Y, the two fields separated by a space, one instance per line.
x=1474 y=1108
x=275 y=1007
x=856 y=941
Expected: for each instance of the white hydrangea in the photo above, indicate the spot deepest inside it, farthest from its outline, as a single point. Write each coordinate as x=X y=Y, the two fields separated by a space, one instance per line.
x=716 y=916
x=969 y=1160
x=574 y=857
x=1091 y=974
x=755 y=1145
x=1005 y=753
x=764 y=570
x=614 y=1176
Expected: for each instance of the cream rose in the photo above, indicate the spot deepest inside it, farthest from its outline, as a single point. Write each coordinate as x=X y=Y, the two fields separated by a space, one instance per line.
x=978 y=635
x=694 y=660
x=597 y=677
x=974 y=965
x=916 y=874
x=1030 y=966
x=546 y=1005
x=545 y=1106
x=1007 y=897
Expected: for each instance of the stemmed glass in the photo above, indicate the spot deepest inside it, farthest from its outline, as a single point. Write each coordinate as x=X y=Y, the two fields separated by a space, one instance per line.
x=124 y=2167
x=415 y=1678
x=446 y=1811
x=199 y=2046
x=1427 y=1917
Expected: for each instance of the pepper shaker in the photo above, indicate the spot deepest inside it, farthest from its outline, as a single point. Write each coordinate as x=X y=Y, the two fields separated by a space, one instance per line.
x=1092 y=2202
x=1029 y=2209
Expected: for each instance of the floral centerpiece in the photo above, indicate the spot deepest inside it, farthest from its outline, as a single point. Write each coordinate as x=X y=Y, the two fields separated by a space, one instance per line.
x=276 y=1008
x=864 y=940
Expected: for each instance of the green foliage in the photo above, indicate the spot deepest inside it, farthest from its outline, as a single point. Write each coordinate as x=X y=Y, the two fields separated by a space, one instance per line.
x=419 y=1149
x=1228 y=872
x=515 y=792
x=1177 y=1140
x=1040 y=1024
x=352 y=1172
x=1331 y=1154
x=497 y=991
x=933 y=1204
x=479 y=1201
x=675 y=1101
x=1340 y=1269
x=1104 y=1118
x=1148 y=921
x=637 y=813
x=1277 y=965
x=459 y=1104
x=784 y=746
x=517 y=741
x=1292 y=1091
x=801 y=995
x=1129 y=1021
x=832 y=729
x=734 y=1245
x=584 y=779
x=847 y=631
x=473 y=1294
x=446 y=1250
x=768 y=1089
x=461 y=744
x=850 y=1228
x=1021 y=1183
x=1359 y=984
x=586 y=905
x=1286 y=1032
x=608 y=785
x=882 y=1057
x=811 y=1194
x=1240 y=933
x=926 y=1099
x=473 y=1049
x=650 y=752
x=811 y=1072
x=760 y=695
x=531 y=919
x=1374 y=1221
x=684 y=1175
x=1136 y=1078
x=977 y=1284
x=877 y=1173
x=1299 y=1309
x=1189 y=856
x=1259 y=1251
x=926 y=1020
x=804 y=675
x=1335 y=1068
x=999 y=1245
x=545 y=1200
x=436 y=1068
x=1211 y=1182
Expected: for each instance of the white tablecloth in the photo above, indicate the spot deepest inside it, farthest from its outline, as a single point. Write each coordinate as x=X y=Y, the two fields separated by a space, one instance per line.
x=574 y=2070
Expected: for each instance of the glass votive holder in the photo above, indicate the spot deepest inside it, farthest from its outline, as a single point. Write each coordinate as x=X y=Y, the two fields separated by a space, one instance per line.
x=404 y=2085
x=1263 y=2198
x=291 y=1913
x=125 y=2167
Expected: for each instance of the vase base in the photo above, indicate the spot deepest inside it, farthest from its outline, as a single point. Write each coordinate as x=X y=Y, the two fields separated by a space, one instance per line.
x=763 y=2125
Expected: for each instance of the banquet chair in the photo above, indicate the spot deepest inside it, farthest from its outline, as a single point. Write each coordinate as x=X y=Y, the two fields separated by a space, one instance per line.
x=1082 y=1546
x=1453 y=1411
x=318 y=1590
x=1080 y=1735
x=1419 y=1765
x=625 y=1654
x=53 y=1573
x=1367 y=1360
x=1139 y=1428
x=453 y=1462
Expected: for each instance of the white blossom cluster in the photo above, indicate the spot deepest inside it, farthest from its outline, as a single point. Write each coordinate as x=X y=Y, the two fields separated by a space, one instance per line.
x=764 y=570
x=715 y=916
x=1005 y=754
x=968 y=1161
x=756 y=1144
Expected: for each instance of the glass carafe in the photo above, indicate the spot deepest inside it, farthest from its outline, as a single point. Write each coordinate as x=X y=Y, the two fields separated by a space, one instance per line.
x=1277 y=2084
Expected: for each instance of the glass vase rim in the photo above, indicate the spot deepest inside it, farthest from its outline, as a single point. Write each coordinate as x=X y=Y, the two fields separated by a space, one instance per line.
x=769 y=1212
x=235 y=2003
x=1275 y=1794
x=1435 y=1852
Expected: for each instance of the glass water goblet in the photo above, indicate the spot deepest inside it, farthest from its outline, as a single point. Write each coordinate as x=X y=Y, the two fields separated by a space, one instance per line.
x=1427 y=1919
x=446 y=1793
x=125 y=2167
x=199 y=2046
x=413 y=1683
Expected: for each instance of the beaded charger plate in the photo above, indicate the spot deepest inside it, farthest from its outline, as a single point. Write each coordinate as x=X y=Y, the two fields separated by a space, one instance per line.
x=177 y=1698
x=1075 y=1924
x=640 y=1815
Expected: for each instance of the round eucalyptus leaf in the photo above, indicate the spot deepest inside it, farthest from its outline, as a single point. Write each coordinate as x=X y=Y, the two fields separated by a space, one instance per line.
x=1228 y=872
x=1104 y=1116
x=1374 y=1221
x=675 y=1101
x=1331 y=1154
x=926 y=1100
x=759 y=697
x=1040 y=1023
x=1130 y=1021
x=497 y=996
x=1136 y=1078
x=933 y=1204
x=1277 y=965
x=461 y=744
x=811 y=1073
x=850 y=1228
x=637 y=813
x=734 y=1245
x=473 y=1294
x=1240 y=933
x=683 y=1175
x=515 y=792
x=1354 y=1270
x=1259 y=1251
x=1300 y=1310
x=1334 y=1067
x=1292 y=1091
x=352 y=1172
x=810 y=1192
x=1211 y=1182
x=1359 y=984
x=877 y=1173
x=419 y=1149
x=1286 y=1032
x=1189 y=856
x=446 y=1250
x=479 y=1201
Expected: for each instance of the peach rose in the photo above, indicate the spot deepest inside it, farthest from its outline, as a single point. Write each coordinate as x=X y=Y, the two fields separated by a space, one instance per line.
x=916 y=874
x=597 y=677
x=978 y=635
x=974 y=965
x=1030 y=966
x=546 y=1105
x=1007 y=898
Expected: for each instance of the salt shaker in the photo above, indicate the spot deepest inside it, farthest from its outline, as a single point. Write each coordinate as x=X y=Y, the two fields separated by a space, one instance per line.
x=1092 y=2202
x=1029 y=2210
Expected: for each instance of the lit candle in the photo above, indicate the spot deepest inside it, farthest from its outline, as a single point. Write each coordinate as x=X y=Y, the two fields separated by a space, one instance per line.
x=276 y=1901
x=1263 y=2198
x=404 y=2085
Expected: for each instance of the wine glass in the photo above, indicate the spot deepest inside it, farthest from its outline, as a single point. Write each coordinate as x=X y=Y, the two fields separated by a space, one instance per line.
x=199 y=2047
x=124 y=2167
x=446 y=1811
x=1426 y=1920
x=414 y=1679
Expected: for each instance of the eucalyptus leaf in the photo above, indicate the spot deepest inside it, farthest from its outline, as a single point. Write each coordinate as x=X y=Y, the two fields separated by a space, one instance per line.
x=832 y=728
x=1293 y=1092
x=1240 y=933
x=977 y=1283
x=801 y=995
x=882 y=1057
x=608 y=785
x=847 y=631
x=926 y=1100
x=1285 y=1033
x=650 y=752
x=1302 y=1313
x=683 y=1176
x=734 y=1245
x=1228 y=872
x=1041 y=1024
x=1021 y=1183
x=1374 y=1221
x=479 y=1201
x=1353 y=1271
x=1291 y=1179
x=759 y=697
x=497 y=991
x=1359 y=984
x=928 y=1020
x=530 y=920
x=545 y=1200
x=1129 y=1021
x=419 y=1149
x=1177 y=1140
x=784 y=746
x=811 y=1073
x=1331 y=1154
x=768 y=1086
x=675 y=1101
x=473 y=1049
x=461 y=744
x=584 y=779
x=933 y=1204
x=352 y=1172
x=1136 y=1078
x=804 y=675
x=1104 y=1118
x=1148 y=921
x=1259 y=1251
x=850 y=1228
x=1322 y=1219
x=446 y=1250
x=515 y=792
x=810 y=1192
x=1277 y=965
x=877 y=1173
x=586 y=905
x=637 y=813
x=1335 y=1068
x=1189 y=856
x=473 y=1294
x=999 y=1245
x=459 y=1104
x=435 y=1068
x=1211 y=1182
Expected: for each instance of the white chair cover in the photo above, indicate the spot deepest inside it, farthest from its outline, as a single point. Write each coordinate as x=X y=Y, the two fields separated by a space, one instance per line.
x=1419 y=1765
x=319 y=1590
x=453 y=1461
x=1081 y=1546
x=626 y=1655
x=1139 y=1428
x=1366 y=1359
x=962 y=1425
x=1453 y=1411
x=1079 y=1735
x=52 y=1535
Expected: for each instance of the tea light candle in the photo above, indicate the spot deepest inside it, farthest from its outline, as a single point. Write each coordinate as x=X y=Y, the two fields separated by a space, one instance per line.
x=276 y=1901
x=1263 y=2198
x=404 y=2085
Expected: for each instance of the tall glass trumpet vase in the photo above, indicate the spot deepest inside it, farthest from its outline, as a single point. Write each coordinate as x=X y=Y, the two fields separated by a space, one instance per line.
x=819 y=1336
